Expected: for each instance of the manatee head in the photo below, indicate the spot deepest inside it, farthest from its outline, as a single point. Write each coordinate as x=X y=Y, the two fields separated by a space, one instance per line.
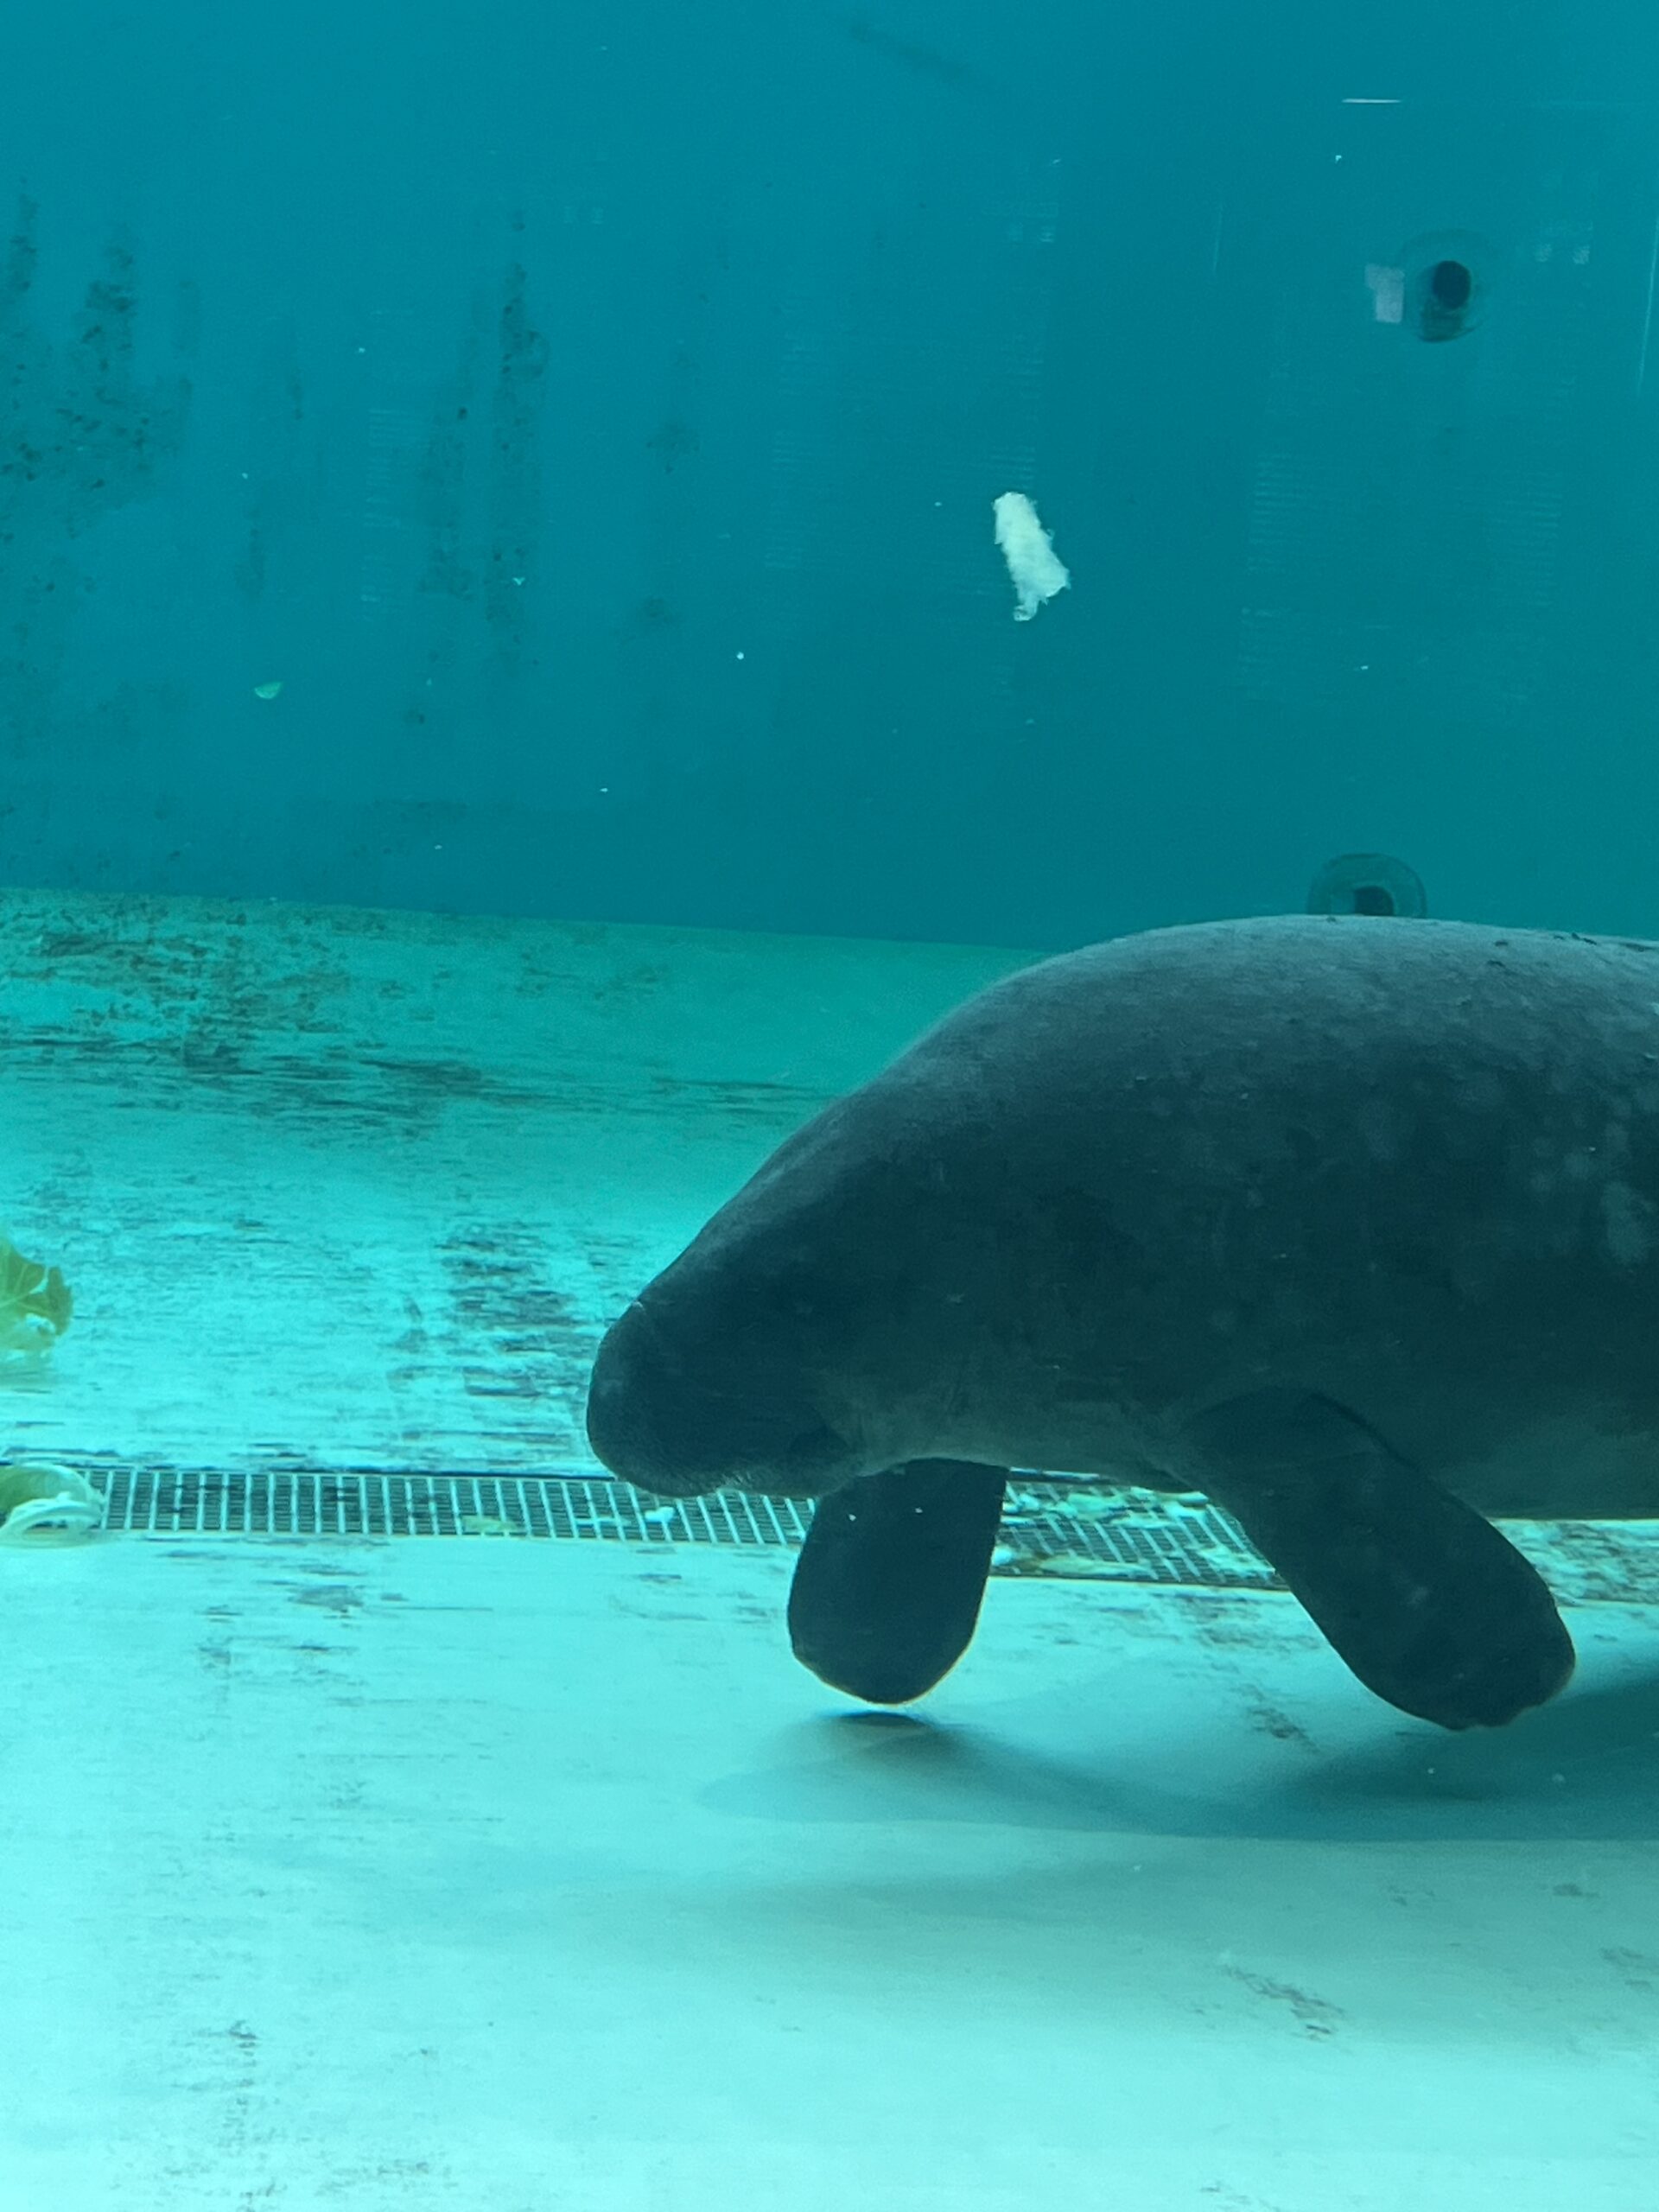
x=711 y=1380
x=799 y=1342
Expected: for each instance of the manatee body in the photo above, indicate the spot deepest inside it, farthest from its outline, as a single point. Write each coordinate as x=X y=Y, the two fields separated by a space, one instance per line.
x=1352 y=1223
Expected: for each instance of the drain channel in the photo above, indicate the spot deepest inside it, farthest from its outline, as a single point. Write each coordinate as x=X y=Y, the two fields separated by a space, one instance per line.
x=1051 y=1528
x=1196 y=1547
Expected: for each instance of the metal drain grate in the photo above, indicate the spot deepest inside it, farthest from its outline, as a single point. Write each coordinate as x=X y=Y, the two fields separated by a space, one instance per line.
x=1175 y=1545
x=1051 y=1527
x=1147 y=1542
x=168 y=1501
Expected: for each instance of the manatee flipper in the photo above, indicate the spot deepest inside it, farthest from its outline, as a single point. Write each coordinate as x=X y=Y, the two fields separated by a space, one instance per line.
x=1427 y=1602
x=888 y=1583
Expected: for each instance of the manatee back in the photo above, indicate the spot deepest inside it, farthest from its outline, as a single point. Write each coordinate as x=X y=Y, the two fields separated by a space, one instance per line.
x=1412 y=1165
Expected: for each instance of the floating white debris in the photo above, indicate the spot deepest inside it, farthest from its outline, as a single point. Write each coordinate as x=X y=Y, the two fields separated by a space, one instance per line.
x=1036 y=570
x=266 y=690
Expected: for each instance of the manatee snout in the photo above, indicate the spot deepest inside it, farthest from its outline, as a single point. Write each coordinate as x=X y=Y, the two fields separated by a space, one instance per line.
x=679 y=1412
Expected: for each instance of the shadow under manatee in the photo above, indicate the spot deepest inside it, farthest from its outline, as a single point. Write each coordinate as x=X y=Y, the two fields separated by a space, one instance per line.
x=1585 y=1768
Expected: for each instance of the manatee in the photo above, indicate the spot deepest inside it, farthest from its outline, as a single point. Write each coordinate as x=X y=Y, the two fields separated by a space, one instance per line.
x=1351 y=1223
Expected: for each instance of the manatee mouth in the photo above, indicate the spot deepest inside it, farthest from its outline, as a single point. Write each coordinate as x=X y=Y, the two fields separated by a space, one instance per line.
x=667 y=1423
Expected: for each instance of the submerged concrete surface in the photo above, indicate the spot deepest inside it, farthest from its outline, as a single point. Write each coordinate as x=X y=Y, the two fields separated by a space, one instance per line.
x=526 y=1875
x=533 y=1876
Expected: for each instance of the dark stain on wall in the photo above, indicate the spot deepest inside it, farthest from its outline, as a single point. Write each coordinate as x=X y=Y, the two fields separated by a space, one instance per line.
x=920 y=60
x=673 y=443
x=444 y=494
x=511 y=576
x=82 y=433
x=659 y=635
x=82 y=424
x=281 y=498
x=441 y=491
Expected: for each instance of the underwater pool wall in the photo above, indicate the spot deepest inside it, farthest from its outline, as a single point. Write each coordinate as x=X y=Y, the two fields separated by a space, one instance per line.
x=541 y=462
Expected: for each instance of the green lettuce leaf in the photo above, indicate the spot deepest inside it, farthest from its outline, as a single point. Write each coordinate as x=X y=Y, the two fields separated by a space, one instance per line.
x=34 y=1302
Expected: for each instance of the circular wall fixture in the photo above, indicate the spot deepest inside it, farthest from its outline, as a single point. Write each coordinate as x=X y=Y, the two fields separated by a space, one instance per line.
x=1368 y=883
x=1445 y=280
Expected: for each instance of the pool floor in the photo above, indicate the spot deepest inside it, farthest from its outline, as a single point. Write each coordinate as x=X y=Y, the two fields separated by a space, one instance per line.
x=473 y=1872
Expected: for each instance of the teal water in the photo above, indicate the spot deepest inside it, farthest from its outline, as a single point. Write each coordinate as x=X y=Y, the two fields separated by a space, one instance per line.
x=571 y=577
x=591 y=420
